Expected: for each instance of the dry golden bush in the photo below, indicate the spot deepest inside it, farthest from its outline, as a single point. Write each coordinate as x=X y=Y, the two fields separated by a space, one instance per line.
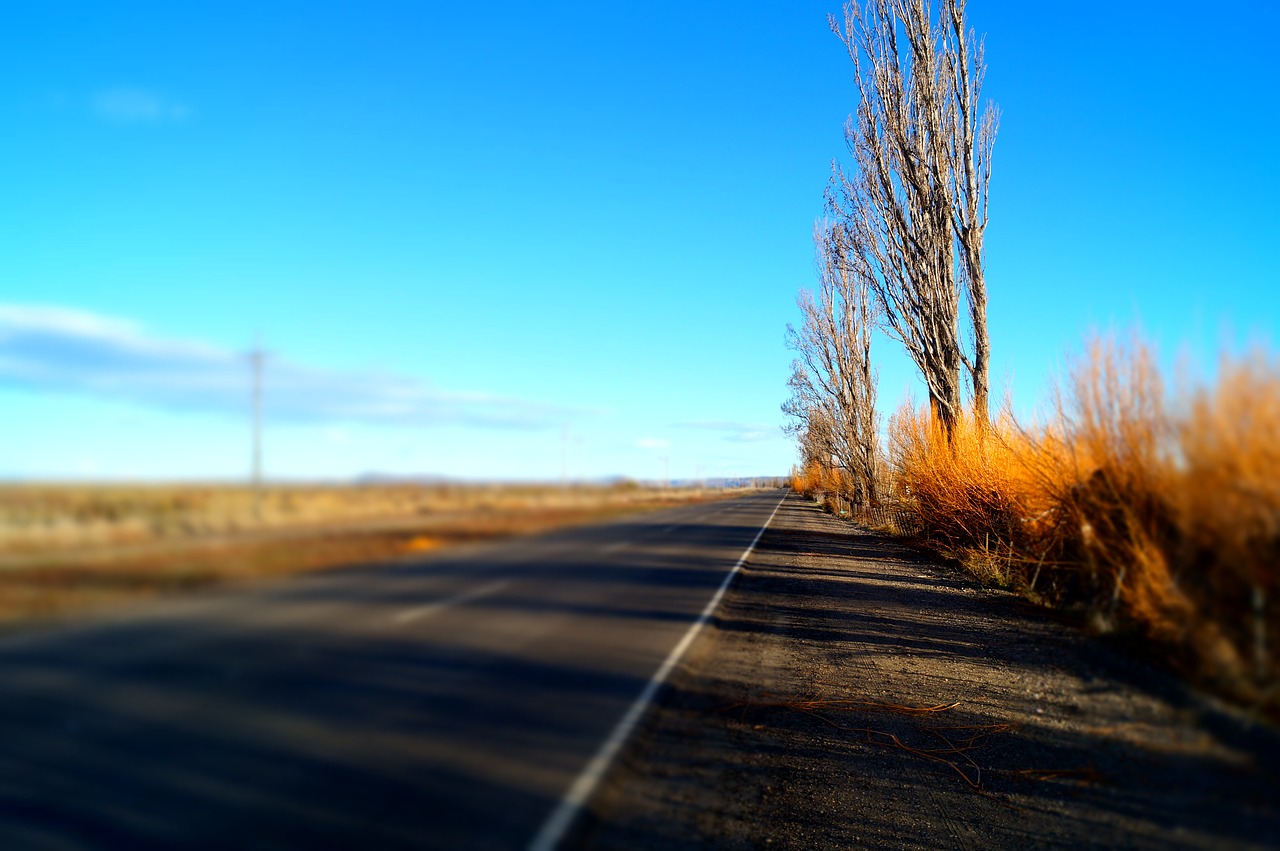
x=973 y=495
x=806 y=480
x=1228 y=507
x=825 y=483
x=1155 y=514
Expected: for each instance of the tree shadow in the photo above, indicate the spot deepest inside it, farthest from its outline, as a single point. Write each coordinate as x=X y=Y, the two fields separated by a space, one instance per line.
x=1079 y=745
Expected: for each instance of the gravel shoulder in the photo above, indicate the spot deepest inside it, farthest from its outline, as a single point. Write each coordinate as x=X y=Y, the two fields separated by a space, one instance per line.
x=851 y=693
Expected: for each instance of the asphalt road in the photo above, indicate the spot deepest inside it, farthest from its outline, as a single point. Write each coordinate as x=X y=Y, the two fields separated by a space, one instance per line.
x=450 y=701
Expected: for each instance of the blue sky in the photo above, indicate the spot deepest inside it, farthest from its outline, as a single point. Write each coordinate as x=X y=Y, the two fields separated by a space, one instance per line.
x=474 y=237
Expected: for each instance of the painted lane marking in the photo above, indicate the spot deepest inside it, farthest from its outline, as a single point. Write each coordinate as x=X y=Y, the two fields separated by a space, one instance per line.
x=562 y=818
x=466 y=597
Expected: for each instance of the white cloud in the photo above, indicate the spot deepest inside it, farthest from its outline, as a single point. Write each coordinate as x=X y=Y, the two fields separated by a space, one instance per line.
x=736 y=431
x=62 y=319
x=652 y=443
x=125 y=335
x=57 y=348
x=128 y=105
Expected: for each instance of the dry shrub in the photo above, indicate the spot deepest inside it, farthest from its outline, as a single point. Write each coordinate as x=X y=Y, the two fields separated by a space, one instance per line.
x=807 y=480
x=830 y=485
x=1229 y=506
x=1157 y=516
x=1113 y=454
x=971 y=495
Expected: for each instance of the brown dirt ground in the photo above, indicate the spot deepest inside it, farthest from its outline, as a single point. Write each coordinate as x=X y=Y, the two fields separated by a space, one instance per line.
x=853 y=694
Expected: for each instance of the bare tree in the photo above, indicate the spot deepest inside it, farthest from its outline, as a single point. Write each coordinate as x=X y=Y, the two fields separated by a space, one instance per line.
x=811 y=424
x=912 y=214
x=833 y=384
x=972 y=141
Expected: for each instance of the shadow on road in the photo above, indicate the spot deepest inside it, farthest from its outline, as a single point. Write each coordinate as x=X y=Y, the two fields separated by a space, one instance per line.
x=1055 y=738
x=325 y=713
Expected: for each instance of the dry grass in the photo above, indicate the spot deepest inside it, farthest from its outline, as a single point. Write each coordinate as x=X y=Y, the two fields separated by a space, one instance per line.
x=811 y=479
x=830 y=486
x=35 y=518
x=1151 y=513
x=66 y=550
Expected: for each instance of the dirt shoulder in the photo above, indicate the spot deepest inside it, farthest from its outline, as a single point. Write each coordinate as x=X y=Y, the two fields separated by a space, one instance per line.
x=854 y=694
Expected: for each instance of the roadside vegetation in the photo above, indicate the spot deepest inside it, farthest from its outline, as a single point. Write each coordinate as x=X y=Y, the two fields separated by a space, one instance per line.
x=68 y=549
x=45 y=517
x=1148 y=509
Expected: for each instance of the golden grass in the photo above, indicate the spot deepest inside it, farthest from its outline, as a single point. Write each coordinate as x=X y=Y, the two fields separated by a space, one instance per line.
x=824 y=483
x=89 y=547
x=811 y=479
x=39 y=518
x=1154 y=513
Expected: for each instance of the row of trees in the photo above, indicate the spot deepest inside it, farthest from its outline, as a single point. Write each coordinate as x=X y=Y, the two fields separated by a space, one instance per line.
x=901 y=246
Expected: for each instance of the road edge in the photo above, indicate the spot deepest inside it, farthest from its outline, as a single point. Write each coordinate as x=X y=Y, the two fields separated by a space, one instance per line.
x=557 y=825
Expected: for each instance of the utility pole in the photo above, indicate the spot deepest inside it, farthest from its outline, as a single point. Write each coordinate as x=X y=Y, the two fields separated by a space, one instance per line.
x=564 y=457
x=256 y=359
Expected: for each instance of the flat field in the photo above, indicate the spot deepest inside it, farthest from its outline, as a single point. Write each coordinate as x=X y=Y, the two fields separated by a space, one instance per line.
x=67 y=549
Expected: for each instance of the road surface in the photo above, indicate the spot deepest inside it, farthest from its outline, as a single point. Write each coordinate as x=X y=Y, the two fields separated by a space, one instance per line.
x=450 y=701
x=856 y=694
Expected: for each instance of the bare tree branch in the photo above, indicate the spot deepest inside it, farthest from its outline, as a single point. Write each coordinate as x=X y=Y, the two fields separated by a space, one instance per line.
x=911 y=214
x=833 y=383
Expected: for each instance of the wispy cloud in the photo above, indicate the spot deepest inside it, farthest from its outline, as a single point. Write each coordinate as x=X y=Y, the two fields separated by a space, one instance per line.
x=735 y=431
x=56 y=348
x=127 y=105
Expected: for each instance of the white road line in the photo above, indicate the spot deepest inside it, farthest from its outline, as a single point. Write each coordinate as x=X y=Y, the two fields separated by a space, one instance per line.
x=554 y=828
x=613 y=548
x=465 y=597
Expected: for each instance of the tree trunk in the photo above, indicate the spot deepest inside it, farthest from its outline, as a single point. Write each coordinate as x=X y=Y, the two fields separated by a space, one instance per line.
x=979 y=373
